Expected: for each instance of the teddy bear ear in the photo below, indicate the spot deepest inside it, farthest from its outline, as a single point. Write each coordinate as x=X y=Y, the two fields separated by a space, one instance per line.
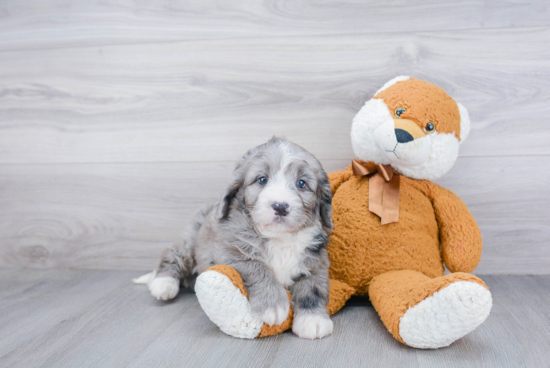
x=390 y=83
x=464 y=122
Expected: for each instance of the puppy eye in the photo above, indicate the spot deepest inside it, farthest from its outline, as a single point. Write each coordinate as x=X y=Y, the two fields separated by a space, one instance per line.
x=430 y=127
x=399 y=111
x=262 y=180
x=301 y=184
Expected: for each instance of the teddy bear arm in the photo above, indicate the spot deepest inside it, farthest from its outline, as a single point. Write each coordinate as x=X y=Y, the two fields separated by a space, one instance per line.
x=338 y=177
x=460 y=236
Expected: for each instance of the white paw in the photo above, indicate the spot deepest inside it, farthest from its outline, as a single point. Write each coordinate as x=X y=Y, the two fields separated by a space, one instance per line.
x=275 y=316
x=164 y=288
x=312 y=326
x=446 y=316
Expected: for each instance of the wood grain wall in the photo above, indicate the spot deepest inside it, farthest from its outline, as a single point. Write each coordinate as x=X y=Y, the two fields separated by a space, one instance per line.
x=119 y=118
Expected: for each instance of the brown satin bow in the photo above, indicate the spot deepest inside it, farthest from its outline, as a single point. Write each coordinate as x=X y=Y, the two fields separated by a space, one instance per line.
x=383 y=189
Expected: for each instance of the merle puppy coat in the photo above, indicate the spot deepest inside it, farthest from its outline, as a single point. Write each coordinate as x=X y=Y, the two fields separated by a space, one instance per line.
x=272 y=226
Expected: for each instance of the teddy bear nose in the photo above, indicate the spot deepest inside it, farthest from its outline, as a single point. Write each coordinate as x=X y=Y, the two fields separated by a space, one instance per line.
x=403 y=136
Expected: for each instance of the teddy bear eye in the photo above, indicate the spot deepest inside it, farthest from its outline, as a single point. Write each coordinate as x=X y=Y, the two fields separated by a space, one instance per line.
x=430 y=127
x=399 y=111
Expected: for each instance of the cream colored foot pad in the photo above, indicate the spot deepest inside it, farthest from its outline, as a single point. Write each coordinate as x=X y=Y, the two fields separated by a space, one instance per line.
x=226 y=306
x=446 y=316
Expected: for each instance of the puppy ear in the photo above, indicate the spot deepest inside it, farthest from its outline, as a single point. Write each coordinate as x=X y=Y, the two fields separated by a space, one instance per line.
x=324 y=201
x=229 y=195
x=237 y=182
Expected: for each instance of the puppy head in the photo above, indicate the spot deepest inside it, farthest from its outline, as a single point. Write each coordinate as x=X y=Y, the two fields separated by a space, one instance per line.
x=412 y=125
x=282 y=187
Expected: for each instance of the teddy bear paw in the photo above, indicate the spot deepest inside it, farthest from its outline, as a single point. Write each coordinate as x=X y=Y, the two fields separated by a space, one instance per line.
x=446 y=316
x=226 y=306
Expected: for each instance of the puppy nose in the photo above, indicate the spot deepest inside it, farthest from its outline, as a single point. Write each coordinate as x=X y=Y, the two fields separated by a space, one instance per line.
x=281 y=209
x=403 y=136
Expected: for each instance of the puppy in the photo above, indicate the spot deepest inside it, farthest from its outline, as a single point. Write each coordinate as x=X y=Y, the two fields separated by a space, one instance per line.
x=272 y=226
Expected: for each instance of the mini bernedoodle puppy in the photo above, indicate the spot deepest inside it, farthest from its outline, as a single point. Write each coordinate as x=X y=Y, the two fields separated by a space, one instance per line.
x=271 y=225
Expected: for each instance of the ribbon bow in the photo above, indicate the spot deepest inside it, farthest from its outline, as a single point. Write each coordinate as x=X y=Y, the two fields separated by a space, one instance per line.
x=383 y=189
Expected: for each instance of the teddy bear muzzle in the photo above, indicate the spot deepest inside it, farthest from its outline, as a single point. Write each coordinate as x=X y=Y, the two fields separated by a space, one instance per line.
x=402 y=141
x=407 y=130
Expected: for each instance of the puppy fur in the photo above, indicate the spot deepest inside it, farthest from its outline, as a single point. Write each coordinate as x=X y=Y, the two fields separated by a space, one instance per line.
x=272 y=250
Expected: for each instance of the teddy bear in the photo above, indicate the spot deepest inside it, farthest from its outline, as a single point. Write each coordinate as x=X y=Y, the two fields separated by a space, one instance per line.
x=394 y=229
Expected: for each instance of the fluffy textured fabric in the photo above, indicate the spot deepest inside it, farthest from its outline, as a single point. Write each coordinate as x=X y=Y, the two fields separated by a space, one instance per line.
x=423 y=102
x=224 y=299
x=400 y=265
x=339 y=293
x=428 y=158
x=393 y=294
x=446 y=316
x=429 y=216
x=227 y=305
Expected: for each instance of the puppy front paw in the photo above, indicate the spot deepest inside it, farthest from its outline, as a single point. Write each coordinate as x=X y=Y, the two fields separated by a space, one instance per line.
x=270 y=303
x=312 y=326
x=275 y=315
x=164 y=288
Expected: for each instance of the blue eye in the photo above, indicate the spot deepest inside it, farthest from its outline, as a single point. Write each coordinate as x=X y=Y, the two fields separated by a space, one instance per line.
x=301 y=184
x=399 y=111
x=262 y=180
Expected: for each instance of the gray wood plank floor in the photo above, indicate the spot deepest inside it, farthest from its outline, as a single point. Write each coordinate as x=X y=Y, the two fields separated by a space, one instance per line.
x=84 y=318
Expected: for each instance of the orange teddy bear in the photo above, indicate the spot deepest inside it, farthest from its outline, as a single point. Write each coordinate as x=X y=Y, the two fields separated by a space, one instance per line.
x=393 y=227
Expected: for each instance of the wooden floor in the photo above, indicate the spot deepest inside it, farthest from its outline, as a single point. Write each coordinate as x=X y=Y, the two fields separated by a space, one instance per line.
x=84 y=318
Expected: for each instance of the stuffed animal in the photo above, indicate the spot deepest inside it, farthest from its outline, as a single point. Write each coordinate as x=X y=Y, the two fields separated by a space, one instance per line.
x=393 y=227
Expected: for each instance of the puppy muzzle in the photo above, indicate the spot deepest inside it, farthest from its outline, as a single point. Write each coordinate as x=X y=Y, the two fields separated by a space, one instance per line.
x=281 y=208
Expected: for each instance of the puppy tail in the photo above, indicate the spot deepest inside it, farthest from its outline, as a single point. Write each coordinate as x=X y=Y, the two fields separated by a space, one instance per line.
x=144 y=279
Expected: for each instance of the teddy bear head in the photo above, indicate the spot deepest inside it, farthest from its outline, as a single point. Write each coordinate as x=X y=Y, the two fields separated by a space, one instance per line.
x=412 y=125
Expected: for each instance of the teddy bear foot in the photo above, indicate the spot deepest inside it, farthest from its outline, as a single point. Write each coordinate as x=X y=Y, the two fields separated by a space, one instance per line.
x=226 y=305
x=222 y=296
x=224 y=299
x=446 y=316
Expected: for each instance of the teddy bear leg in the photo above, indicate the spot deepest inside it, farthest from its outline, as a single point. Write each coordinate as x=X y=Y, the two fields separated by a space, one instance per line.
x=430 y=313
x=339 y=294
x=224 y=299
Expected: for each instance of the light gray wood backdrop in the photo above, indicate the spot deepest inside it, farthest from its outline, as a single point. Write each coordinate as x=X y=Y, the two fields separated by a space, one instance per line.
x=119 y=118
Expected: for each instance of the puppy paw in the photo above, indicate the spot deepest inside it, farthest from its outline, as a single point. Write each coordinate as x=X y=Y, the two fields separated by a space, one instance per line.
x=164 y=288
x=270 y=303
x=275 y=316
x=312 y=326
